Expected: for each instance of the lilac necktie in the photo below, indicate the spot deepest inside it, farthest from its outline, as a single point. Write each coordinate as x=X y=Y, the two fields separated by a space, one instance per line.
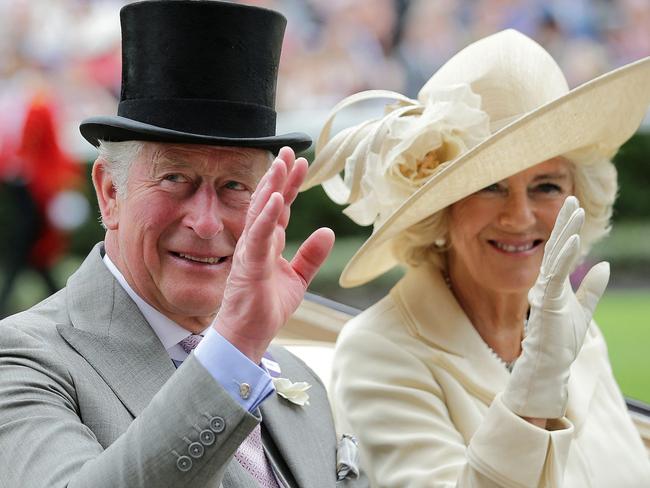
x=250 y=453
x=190 y=342
x=252 y=458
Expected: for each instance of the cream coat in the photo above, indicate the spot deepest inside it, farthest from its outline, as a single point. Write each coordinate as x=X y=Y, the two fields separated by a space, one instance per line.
x=418 y=385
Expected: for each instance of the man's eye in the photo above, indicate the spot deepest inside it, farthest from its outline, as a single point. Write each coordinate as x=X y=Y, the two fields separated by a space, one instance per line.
x=234 y=185
x=175 y=178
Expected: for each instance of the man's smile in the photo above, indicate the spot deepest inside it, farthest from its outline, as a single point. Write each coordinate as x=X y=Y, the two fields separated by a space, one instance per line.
x=201 y=259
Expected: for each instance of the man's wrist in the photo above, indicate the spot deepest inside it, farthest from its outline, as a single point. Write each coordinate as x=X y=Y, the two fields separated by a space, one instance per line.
x=246 y=381
x=251 y=347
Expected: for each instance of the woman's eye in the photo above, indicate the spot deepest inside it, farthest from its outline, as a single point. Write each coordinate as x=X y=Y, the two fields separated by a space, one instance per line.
x=548 y=188
x=234 y=185
x=493 y=188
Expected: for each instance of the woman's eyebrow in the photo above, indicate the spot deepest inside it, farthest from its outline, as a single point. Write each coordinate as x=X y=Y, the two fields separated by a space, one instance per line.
x=559 y=175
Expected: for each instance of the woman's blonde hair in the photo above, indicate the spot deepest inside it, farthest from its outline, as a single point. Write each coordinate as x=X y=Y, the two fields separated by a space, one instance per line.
x=595 y=186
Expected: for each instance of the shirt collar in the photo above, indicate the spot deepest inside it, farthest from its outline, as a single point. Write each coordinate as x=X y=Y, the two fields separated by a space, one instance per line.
x=168 y=331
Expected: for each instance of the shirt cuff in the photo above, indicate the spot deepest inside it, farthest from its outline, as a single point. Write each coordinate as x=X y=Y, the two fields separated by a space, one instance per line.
x=246 y=382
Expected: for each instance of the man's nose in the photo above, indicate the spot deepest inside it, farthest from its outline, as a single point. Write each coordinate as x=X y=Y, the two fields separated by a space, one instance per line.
x=203 y=213
x=518 y=212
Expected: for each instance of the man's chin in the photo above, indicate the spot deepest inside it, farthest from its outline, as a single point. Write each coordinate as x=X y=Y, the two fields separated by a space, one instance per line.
x=194 y=306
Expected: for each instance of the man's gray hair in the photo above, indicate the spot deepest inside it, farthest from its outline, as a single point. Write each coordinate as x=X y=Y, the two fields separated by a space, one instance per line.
x=119 y=157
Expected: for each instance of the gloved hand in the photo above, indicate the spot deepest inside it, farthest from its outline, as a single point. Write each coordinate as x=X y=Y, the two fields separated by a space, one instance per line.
x=557 y=324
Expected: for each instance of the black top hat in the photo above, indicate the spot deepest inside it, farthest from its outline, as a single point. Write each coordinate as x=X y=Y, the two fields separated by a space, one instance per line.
x=196 y=71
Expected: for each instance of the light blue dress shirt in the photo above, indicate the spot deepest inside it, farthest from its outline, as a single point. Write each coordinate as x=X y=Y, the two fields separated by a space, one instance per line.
x=227 y=365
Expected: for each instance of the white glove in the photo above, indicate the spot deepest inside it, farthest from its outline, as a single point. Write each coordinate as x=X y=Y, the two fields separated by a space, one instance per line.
x=557 y=324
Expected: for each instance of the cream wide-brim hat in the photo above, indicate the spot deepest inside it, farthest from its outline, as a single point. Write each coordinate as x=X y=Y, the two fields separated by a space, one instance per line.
x=531 y=117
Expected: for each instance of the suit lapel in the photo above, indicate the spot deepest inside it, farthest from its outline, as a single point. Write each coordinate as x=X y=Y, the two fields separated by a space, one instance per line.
x=109 y=331
x=278 y=419
x=304 y=436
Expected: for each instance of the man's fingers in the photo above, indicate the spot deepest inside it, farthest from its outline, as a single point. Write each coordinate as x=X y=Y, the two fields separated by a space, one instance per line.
x=592 y=288
x=291 y=188
x=259 y=239
x=288 y=157
x=272 y=181
x=312 y=254
x=294 y=180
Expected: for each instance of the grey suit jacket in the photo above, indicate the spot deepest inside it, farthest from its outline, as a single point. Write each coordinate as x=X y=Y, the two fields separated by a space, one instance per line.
x=90 y=398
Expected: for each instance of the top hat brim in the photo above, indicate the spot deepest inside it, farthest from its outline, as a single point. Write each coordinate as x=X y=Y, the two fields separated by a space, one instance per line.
x=116 y=129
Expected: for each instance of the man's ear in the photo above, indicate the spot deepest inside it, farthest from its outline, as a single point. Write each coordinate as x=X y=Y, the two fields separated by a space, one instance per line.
x=106 y=194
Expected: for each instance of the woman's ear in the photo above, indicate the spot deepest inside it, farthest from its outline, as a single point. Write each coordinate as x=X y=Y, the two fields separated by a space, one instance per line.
x=106 y=194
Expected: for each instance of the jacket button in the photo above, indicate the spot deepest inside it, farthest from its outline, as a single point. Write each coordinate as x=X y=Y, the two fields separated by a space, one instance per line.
x=196 y=450
x=207 y=437
x=184 y=463
x=217 y=424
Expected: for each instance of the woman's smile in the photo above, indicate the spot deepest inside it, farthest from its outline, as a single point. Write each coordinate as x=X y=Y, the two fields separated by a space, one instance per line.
x=519 y=248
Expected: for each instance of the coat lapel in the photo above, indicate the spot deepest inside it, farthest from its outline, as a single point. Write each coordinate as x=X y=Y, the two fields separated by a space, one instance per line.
x=439 y=321
x=109 y=331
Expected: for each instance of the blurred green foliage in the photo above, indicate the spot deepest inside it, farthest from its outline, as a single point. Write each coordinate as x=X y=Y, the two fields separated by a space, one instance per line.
x=624 y=318
x=633 y=165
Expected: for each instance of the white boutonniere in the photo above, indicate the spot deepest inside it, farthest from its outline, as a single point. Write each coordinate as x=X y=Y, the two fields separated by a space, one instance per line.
x=287 y=389
x=294 y=392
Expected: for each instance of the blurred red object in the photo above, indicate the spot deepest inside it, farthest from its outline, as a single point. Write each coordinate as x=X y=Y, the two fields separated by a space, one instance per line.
x=47 y=170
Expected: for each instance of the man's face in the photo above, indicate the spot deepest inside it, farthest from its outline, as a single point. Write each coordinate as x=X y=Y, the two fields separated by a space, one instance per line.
x=174 y=232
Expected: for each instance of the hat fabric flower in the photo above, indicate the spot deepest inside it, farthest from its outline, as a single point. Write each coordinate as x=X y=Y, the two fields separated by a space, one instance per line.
x=399 y=152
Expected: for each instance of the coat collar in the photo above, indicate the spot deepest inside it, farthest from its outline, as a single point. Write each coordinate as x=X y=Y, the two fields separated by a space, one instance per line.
x=440 y=322
x=109 y=331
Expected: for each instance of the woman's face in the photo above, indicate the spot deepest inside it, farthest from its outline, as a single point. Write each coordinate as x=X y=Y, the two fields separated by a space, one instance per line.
x=498 y=234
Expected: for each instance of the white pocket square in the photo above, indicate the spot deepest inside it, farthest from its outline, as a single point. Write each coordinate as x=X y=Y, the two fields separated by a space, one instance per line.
x=347 y=458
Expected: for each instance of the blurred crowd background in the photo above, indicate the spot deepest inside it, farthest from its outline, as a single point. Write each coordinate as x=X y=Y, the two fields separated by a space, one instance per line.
x=71 y=48
x=60 y=62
